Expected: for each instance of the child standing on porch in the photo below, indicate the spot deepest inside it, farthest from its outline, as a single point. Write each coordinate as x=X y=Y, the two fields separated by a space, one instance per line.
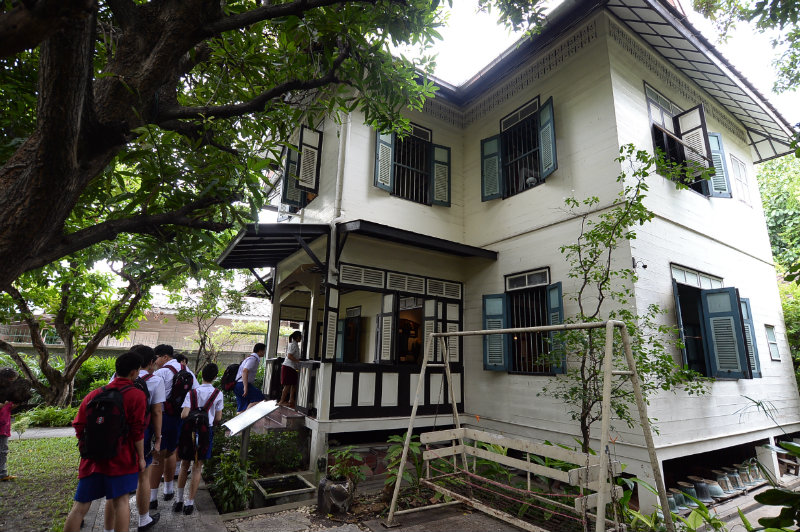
x=289 y=370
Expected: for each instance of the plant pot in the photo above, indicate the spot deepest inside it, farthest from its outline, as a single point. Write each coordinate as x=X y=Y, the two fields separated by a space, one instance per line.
x=334 y=496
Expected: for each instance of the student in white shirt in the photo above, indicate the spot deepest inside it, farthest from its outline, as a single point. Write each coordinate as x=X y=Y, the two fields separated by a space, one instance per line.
x=245 y=389
x=290 y=370
x=164 y=461
x=205 y=394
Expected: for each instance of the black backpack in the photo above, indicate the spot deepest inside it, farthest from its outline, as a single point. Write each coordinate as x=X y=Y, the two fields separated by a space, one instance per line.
x=195 y=431
x=141 y=383
x=182 y=383
x=228 y=380
x=106 y=425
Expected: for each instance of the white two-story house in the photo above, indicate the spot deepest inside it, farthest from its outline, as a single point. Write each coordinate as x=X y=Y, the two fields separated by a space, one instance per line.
x=458 y=226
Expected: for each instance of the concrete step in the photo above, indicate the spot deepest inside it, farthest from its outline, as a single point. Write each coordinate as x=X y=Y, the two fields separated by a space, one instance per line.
x=280 y=419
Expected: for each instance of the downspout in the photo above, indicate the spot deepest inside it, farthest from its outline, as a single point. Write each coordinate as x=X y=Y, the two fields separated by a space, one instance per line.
x=344 y=135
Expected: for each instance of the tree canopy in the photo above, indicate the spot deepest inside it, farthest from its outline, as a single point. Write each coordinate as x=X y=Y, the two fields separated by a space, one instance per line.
x=168 y=118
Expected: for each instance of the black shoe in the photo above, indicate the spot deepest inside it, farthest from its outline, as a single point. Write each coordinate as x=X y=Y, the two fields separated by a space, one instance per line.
x=154 y=504
x=176 y=478
x=187 y=510
x=178 y=506
x=169 y=496
x=132 y=492
x=82 y=523
x=152 y=523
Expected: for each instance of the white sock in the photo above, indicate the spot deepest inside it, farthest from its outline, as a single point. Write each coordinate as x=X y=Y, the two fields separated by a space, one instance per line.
x=153 y=495
x=189 y=502
x=104 y=530
x=169 y=487
x=144 y=519
x=179 y=495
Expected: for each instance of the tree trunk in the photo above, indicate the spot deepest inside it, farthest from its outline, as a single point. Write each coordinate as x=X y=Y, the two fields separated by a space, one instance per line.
x=59 y=393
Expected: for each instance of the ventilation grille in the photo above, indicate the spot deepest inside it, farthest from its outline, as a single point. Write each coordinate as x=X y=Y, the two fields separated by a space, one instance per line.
x=330 y=336
x=528 y=279
x=405 y=283
x=519 y=115
x=361 y=276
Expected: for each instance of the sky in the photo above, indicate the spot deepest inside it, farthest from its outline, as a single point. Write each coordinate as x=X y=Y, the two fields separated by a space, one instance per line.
x=462 y=54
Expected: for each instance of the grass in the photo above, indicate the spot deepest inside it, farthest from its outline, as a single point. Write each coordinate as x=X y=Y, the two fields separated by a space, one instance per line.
x=47 y=475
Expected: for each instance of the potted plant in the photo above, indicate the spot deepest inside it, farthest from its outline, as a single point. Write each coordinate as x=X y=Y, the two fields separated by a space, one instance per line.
x=338 y=487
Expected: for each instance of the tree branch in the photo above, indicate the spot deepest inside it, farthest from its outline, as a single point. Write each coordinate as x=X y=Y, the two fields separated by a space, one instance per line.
x=17 y=358
x=35 y=333
x=268 y=12
x=142 y=224
x=30 y=23
x=256 y=104
x=124 y=12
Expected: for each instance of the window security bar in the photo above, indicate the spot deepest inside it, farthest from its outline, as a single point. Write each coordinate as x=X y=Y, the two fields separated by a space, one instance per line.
x=682 y=143
x=608 y=370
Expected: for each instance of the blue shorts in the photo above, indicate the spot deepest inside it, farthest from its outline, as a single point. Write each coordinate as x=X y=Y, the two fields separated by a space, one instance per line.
x=170 y=431
x=254 y=395
x=98 y=485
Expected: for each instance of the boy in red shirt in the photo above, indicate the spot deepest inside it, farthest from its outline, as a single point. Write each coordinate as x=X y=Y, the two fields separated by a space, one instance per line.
x=13 y=390
x=115 y=477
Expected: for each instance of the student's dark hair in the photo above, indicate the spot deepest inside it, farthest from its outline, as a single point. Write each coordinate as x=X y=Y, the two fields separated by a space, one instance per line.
x=164 y=349
x=180 y=357
x=296 y=336
x=210 y=372
x=127 y=362
x=259 y=347
x=147 y=354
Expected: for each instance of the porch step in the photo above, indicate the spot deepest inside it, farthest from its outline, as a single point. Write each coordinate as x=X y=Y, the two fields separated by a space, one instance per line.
x=282 y=418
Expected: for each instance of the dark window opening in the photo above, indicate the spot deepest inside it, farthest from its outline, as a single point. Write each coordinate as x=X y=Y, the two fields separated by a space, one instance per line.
x=412 y=168
x=691 y=316
x=529 y=351
x=520 y=156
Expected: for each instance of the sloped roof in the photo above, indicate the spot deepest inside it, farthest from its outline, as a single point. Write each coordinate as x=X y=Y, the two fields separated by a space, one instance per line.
x=666 y=28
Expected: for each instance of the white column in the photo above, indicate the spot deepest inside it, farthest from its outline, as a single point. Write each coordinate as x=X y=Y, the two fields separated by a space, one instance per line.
x=317 y=450
x=313 y=318
x=769 y=459
x=275 y=320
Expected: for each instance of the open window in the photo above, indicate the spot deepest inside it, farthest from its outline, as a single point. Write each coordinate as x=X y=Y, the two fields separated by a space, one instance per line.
x=523 y=155
x=529 y=301
x=300 y=179
x=683 y=138
x=412 y=167
x=716 y=327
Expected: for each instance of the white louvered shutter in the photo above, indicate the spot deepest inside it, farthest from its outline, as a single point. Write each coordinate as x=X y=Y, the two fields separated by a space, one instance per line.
x=440 y=176
x=547 y=139
x=495 y=346
x=384 y=161
x=691 y=129
x=310 y=151
x=720 y=183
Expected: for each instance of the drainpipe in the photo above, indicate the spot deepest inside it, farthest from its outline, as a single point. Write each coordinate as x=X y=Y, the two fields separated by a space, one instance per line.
x=344 y=136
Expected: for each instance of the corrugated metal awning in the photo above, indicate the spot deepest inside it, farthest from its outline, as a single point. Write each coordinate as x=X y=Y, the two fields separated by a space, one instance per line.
x=265 y=245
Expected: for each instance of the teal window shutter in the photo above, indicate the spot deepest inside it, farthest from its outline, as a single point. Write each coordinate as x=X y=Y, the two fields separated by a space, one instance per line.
x=555 y=316
x=491 y=179
x=440 y=176
x=548 y=162
x=384 y=161
x=750 y=339
x=720 y=183
x=679 y=318
x=495 y=346
x=290 y=193
x=725 y=342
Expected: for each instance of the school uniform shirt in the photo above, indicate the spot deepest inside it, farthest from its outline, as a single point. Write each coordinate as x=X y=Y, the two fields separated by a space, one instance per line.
x=126 y=461
x=251 y=365
x=294 y=350
x=166 y=375
x=155 y=385
x=204 y=391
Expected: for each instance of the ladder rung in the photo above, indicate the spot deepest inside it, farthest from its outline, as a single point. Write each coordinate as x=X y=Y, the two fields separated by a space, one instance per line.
x=628 y=372
x=435 y=365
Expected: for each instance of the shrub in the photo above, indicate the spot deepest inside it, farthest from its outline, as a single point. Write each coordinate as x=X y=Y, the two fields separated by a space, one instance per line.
x=93 y=373
x=47 y=416
x=275 y=452
x=231 y=489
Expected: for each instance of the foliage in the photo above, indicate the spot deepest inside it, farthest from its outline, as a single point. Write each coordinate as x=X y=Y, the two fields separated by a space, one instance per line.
x=46 y=471
x=779 y=19
x=700 y=517
x=187 y=108
x=275 y=452
x=80 y=306
x=203 y=298
x=779 y=184
x=95 y=372
x=47 y=416
x=231 y=488
x=601 y=283
x=412 y=474
x=346 y=466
